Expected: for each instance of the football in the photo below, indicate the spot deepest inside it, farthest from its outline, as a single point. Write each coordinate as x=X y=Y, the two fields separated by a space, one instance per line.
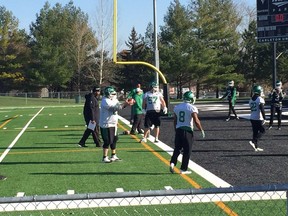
x=126 y=132
x=130 y=101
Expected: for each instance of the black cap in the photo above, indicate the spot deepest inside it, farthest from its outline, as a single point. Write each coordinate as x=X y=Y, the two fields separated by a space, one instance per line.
x=96 y=88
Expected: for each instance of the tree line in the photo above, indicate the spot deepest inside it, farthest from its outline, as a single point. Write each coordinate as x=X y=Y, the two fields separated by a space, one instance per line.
x=202 y=44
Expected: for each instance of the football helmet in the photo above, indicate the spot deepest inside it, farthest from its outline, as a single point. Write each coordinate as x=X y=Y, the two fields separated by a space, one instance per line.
x=189 y=97
x=231 y=83
x=257 y=90
x=278 y=84
x=108 y=91
x=154 y=86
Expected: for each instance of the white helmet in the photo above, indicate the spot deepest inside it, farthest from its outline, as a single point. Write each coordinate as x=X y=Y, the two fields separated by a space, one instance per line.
x=231 y=83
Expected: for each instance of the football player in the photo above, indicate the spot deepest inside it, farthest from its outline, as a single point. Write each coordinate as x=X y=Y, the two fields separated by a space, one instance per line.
x=185 y=115
x=153 y=102
x=231 y=97
x=108 y=122
x=276 y=104
x=257 y=116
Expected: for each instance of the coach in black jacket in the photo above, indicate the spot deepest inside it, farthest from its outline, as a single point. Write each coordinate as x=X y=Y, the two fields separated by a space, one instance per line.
x=91 y=113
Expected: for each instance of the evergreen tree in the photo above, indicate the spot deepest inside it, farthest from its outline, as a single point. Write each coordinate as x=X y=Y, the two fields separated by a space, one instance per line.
x=175 y=46
x=129 y=75
x=14 y=52
x=62 y=44
x=256 y=58
x=215 y=25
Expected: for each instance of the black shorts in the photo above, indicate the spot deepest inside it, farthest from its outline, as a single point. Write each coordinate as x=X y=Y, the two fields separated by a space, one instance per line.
x=152 y=118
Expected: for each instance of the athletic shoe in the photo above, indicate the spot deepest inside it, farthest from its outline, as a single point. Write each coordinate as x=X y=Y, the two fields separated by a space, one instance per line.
x=143 y=140
x=185 y=172
x=3 y=177
x=228 y=119
x=156 y=140
x=82 y=145
x=252 y=144
x=172 y=167
x=106 y=160
x=259 y=149
x=114 y=158
x=141 y=131
x=132 y=133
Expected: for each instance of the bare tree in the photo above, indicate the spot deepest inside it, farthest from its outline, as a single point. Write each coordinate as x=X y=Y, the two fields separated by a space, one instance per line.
x=82 y=45
x=104 y=27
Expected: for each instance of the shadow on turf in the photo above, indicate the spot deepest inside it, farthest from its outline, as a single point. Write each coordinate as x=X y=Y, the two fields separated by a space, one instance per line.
x=104 y=173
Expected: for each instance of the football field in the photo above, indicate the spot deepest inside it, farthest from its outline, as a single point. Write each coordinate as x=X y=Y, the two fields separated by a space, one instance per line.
x=40 y=156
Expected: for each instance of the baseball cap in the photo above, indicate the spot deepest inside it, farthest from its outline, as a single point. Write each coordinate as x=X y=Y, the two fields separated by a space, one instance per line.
x=96 y=88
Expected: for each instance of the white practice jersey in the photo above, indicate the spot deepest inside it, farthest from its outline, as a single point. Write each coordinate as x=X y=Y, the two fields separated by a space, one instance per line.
x=255 y=109
x=184 y=114
x=108 y=112
x=153 y=101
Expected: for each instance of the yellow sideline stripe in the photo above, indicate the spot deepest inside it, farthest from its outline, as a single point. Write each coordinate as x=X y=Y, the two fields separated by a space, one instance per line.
x=6 y=122
x=220 y=204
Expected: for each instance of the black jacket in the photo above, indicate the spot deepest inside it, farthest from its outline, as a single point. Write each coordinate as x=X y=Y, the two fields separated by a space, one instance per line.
x=91 y=109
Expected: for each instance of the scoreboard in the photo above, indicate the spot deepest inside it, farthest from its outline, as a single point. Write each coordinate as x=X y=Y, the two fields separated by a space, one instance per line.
x=272 y=21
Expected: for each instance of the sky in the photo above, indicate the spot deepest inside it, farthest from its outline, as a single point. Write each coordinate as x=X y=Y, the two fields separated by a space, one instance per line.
x=131 y=13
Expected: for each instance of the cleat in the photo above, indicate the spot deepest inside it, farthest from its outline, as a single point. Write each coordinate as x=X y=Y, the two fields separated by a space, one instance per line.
x=228 y=119
x=2 y=178
x=114 y=158
x=259 y=149
x=156 y=140
x=82 y=145
x=252 y=144
x=143 y=140
x=185 y=172
x=106 y=160
x=172 y=167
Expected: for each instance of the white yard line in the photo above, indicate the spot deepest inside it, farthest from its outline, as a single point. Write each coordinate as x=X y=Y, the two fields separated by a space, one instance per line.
x=18 y=136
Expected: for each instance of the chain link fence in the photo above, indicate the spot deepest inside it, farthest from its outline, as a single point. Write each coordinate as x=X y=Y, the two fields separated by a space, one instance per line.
x=252 y=200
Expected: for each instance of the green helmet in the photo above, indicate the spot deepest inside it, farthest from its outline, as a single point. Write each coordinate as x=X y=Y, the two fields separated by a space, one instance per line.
x=153 y=84
x=189 y=97
x=257 y=90
x=108 y=91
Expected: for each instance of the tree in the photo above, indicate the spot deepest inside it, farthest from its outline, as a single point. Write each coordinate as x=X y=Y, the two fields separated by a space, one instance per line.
x=255 y=59
x=175 y=46
x=129 y=75
x=62 y=44
x=216 y=30
x=14 y=52
x=103 y=26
